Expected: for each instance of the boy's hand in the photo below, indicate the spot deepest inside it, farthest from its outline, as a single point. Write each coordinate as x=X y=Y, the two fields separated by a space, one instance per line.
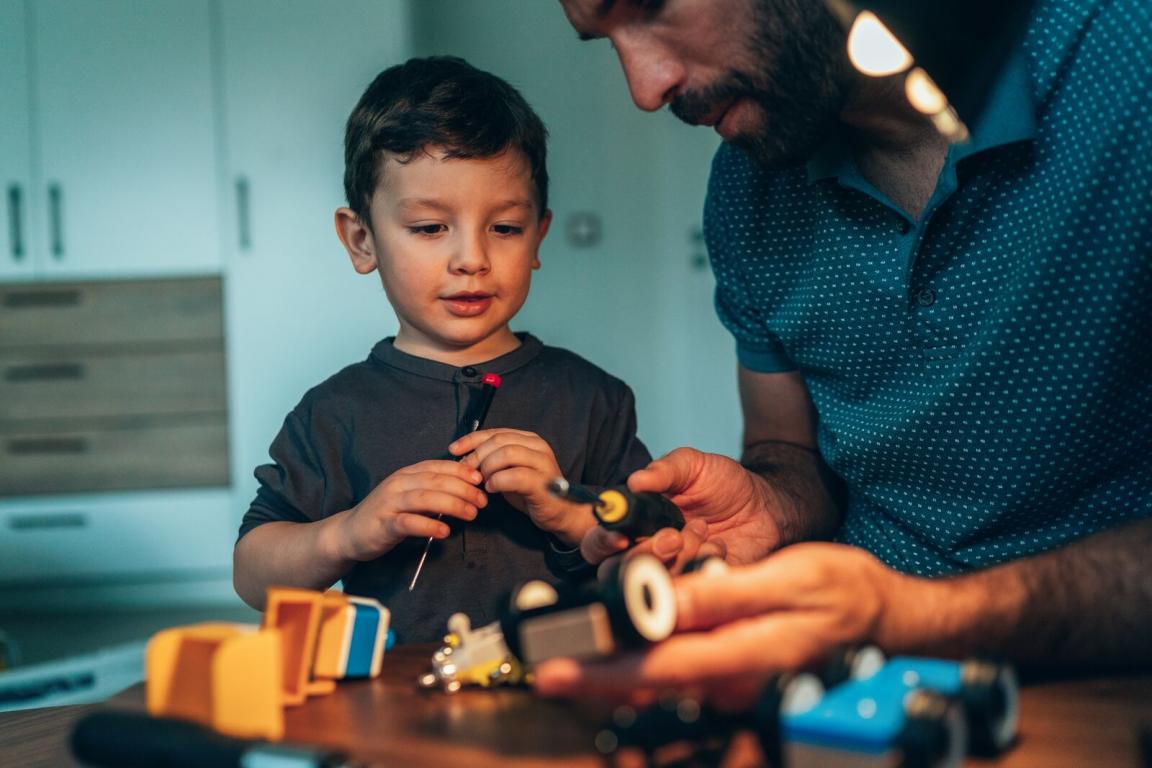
x=519 y=464
x=406 y=503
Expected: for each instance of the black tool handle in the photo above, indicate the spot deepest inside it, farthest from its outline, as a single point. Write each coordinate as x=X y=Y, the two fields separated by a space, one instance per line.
x=647 y=513
x=132 y=740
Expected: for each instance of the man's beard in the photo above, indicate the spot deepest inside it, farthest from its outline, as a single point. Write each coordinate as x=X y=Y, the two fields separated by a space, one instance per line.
x=797 y=87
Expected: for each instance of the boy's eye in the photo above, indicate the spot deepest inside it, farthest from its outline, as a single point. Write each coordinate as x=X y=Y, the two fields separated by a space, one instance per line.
x=507 y=229
x=650 y=6
x=427 y=229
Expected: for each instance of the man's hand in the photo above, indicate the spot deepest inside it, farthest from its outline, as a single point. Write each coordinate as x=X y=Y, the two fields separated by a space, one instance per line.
x=785 y=612
x=405 y=504
x=676 y=549
x=519 y=465
x=739 y=508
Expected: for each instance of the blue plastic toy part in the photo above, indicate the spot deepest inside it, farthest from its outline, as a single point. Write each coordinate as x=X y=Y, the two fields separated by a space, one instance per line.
x=390 y=640
x=885 y=719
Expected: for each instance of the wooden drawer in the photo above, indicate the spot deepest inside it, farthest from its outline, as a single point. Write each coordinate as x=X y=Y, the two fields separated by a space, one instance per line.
x=150 y=453
x=112 y=312
x=117 y=535
x=43 y=384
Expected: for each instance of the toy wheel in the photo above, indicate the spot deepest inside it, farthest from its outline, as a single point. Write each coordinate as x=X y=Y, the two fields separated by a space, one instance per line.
x=534 y=594
x=785 y=694
x=649 y=599
x=934 y=734
x=853 y=662
x=991 y=698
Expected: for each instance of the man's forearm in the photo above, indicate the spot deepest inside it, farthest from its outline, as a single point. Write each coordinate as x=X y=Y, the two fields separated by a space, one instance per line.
x=808 y=495
x=1087 y=604
x=287 y=554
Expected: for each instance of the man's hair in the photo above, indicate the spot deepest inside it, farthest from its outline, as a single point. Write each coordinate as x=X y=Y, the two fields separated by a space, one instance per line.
x=439 y=101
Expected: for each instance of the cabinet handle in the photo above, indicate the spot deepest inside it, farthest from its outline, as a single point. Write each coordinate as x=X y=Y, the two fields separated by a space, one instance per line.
x=243 y=213
x=39 y=299
x=43 y=520
x=55 y=219
x=16 y=221
x=44 y=372
x=47 y=445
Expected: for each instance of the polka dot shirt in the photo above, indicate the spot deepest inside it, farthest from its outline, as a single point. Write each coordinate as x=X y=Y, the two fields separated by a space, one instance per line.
x=983 y=375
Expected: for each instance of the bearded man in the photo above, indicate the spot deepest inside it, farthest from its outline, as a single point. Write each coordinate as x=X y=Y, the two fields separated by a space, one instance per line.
x=944 y=351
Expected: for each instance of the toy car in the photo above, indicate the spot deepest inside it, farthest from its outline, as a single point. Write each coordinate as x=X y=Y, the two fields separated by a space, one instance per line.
x=472 y=657
x=633 y=605
x=911 y=712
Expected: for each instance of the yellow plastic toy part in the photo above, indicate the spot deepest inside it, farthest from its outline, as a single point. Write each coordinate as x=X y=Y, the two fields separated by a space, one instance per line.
x=336 y=616
x=224 y=676
x=613 y=506
x=296 y=613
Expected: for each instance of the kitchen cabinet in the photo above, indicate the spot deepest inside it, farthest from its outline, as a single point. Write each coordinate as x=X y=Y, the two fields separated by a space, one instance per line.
x=108 y=388
x=109 y=154
x=292 y=70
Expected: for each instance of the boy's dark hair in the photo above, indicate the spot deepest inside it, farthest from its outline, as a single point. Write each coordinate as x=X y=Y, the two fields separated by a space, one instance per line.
x=438 y=101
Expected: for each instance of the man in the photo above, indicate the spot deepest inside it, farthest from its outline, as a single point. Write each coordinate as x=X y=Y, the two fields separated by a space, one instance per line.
x=944 y=355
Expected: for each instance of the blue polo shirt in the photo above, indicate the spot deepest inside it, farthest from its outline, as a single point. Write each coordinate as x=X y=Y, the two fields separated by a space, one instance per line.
x=983 y=375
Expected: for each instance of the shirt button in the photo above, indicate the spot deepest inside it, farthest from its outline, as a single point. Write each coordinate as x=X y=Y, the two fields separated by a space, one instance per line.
x=469 y=371
x=926 y=297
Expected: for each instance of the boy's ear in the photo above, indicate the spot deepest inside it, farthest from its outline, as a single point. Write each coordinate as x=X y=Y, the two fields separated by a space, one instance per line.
x=542 y=228
x=357 y=240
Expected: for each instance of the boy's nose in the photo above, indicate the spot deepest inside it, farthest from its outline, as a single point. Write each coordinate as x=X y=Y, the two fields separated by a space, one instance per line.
x=471 y=257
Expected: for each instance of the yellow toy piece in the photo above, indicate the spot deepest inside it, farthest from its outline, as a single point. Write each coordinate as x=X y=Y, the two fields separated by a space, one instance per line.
x=224 y=676
x=296 y=614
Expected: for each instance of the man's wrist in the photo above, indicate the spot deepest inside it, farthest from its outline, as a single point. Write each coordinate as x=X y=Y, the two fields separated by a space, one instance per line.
x=961 y=616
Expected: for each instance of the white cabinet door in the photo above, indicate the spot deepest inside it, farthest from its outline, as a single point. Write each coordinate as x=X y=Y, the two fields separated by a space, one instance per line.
x=124 y=124
x=297 y=312
x=15 y=141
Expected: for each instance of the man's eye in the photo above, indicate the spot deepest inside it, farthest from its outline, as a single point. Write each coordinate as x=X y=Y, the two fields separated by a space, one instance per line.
x=427 y=229
x=649 y=5
x=507 y=229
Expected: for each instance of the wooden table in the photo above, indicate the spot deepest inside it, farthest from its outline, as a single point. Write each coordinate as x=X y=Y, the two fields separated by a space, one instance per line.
x=388 y=722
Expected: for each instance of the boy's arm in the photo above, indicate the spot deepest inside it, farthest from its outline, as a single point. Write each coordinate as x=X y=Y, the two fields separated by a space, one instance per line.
x=305 y=555
x=313 y=555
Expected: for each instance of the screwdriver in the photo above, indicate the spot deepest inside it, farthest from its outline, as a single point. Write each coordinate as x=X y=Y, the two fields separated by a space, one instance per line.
x=634 y=515
x=491 y=383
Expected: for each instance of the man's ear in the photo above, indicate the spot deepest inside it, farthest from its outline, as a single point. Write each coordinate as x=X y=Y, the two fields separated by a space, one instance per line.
x=357 y=240
x=542 y=228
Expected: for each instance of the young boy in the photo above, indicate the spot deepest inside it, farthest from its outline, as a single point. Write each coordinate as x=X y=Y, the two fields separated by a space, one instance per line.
x=447 y=199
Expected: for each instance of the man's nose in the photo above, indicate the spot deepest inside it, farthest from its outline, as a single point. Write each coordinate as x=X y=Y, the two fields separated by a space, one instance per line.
x=654 y=75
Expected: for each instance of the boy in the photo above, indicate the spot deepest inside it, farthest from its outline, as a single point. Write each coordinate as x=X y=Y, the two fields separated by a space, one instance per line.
x=447 y=191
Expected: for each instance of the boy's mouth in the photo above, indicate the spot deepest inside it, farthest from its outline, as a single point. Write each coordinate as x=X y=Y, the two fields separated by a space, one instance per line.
x=467 y=303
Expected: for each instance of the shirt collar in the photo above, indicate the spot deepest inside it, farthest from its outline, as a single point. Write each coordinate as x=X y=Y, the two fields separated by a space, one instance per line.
x=385 y=353
x=1008 y=117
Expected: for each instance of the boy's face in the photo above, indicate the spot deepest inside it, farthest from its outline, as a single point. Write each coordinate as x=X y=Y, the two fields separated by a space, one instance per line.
x=455 y=242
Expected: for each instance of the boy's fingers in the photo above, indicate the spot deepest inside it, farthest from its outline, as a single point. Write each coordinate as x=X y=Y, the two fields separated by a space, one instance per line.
x=515 y=457
x=417 y=525
x=473 y=440
x=427 y=502
x=447 y=485
x=440 y=467
x=515 y=479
